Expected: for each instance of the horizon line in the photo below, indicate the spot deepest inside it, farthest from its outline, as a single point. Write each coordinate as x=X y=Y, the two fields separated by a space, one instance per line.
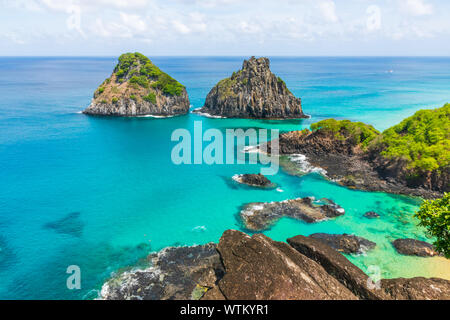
x=230 y=56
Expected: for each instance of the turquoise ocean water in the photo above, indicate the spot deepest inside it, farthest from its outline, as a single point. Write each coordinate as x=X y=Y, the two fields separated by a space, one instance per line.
x=101 y=193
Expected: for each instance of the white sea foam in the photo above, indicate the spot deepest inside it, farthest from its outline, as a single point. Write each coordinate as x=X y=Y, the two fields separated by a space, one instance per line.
x=304 y=165
x=279 y=190
x=205 y=114
x=237 y=178
x=154 y=116
x=251 y=149
x=249 y=211
x=199 y=229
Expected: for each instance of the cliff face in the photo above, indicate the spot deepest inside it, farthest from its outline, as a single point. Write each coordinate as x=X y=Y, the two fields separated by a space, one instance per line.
x=253 y=92
x=137 y=87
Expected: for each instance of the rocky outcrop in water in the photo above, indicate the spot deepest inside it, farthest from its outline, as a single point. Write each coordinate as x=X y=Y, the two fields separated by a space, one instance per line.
x=260 y=216
x=253 y=92
x=413 y=247
x=139 y=88
x=371 y=215
x=258 y=268
x=253 y=180
x=345 y=243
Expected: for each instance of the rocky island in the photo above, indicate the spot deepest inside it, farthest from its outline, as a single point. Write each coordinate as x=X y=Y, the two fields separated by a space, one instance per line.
x=253 y=92
x=139 y=88
x=241 y=267
x=254 y=180
x=410 y=158
x=260 y=216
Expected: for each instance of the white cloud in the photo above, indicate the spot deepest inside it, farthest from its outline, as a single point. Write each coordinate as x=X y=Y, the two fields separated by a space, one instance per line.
x=181 y=27
x=133 y=21
x=328 y=10
x=417 y=7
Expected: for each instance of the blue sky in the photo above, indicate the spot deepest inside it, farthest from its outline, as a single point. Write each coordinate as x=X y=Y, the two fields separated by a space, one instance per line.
x=225 y=27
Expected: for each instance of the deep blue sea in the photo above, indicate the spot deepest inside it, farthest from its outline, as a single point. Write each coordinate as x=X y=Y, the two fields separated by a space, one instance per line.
x=101 y=193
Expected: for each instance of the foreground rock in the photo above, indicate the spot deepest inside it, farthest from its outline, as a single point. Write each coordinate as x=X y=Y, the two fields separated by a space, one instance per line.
x=412 y=247
x=345 y=243
x=417 y=288
x=338 y=266
x=260 y=216
x=139 y=88
x=253 y=180
x=182 y=273
x=253 y=92
x=258 y=268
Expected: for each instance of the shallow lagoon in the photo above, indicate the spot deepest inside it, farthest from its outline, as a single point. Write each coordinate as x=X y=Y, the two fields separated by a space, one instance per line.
x=117 y=175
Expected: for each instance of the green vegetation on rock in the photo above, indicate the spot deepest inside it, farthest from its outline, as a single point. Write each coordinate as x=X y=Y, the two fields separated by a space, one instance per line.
x=151 y=97
x=358 y=133
x=435 y=216
x=141 y=71
x=422 y=140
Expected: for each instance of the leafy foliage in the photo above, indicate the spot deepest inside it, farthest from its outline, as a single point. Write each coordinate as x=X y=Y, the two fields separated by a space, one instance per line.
x=423 y=140
x=358 y=133
x=151 y=97
x=435 y=216
x=140 y=80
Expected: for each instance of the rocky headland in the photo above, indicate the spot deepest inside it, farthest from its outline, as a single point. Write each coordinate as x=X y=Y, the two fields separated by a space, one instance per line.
x=253 y=92
x=139 y=88
x=260 y=216
x=410 y=158
x=258 y=268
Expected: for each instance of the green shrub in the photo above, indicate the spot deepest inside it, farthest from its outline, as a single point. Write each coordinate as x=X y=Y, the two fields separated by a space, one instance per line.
x=435 y=216
x=151 y=97
x=140 y=80
x=357 y=132
x=133 y=97
x=422 y=140
x=101 y=90
x=115 y=100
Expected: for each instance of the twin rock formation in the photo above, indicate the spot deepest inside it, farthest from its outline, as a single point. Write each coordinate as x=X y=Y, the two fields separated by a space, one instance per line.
x=253 y=92
x=139 y=88
x=241 y=267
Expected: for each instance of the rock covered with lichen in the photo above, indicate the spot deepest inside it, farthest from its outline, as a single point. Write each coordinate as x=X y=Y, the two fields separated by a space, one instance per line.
x=253 y=92
x=138 y=88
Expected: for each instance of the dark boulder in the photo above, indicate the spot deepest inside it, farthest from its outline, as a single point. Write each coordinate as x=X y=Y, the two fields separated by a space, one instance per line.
x=413 y=247
x=345 y=243
x=371 y=214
